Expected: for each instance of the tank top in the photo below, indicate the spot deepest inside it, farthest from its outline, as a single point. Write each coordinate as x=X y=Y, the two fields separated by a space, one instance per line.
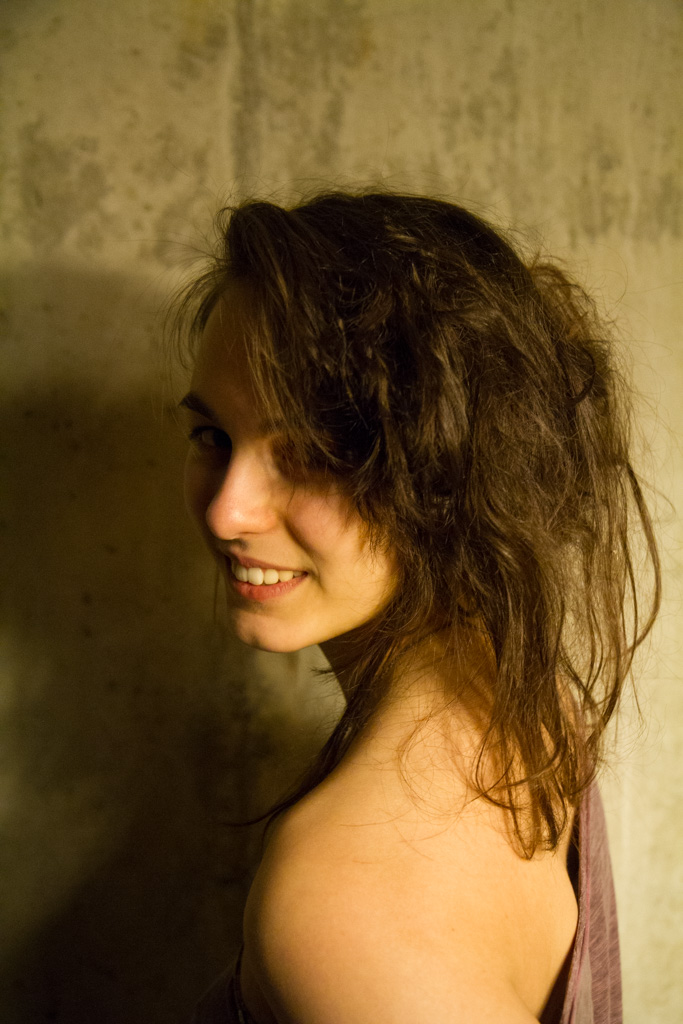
x=593 y=990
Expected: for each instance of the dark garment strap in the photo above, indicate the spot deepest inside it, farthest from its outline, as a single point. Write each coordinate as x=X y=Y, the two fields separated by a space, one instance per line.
x=223 y=1003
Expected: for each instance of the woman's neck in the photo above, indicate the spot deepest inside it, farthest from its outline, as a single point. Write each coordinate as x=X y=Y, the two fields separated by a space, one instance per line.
x=433 y=715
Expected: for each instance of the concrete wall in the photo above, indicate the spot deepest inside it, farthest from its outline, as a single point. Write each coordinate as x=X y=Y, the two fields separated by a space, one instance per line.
x=130 y=728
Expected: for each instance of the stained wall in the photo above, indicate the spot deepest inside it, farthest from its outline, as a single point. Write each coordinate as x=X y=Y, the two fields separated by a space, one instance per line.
x=131 y=727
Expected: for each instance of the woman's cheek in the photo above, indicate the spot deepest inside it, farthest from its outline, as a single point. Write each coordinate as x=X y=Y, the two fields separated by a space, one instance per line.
x=317 y=524
x=198 y=490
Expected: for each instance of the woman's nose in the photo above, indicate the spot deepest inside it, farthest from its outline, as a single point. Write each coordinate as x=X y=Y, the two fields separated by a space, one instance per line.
x=243 y=501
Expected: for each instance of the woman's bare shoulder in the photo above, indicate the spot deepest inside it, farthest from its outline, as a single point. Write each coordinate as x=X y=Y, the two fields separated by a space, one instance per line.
x=325 y=946
x=345 y=923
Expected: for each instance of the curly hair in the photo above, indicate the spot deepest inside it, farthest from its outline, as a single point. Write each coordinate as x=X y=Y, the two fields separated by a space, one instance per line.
x=470 y=405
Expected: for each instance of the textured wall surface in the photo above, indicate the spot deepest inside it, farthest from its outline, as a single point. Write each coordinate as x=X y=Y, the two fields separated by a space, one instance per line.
x=130 y=727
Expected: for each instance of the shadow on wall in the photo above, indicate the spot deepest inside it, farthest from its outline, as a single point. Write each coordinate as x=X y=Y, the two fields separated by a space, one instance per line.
x=131 y=729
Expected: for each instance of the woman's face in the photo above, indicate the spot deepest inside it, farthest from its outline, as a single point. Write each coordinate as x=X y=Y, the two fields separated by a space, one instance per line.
x=261 y=525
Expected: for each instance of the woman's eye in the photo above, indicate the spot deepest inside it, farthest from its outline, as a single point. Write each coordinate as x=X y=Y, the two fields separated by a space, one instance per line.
x=211 y=437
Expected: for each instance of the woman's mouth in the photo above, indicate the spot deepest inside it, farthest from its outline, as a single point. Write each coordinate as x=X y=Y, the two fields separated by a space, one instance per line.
x=258 y=584
x=262 y=577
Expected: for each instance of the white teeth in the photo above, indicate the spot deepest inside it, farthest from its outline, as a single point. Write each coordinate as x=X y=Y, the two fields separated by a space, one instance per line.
x=258 y=577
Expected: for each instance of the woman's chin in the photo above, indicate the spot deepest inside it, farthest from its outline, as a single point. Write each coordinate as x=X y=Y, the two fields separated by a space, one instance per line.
x=272 y=639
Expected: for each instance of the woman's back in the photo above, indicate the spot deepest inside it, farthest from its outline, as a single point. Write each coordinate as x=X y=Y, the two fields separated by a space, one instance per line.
x=588 y=990
x=373 y=905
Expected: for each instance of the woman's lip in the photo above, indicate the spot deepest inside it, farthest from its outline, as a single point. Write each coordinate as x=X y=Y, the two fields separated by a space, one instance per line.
x=264 y=591
x=254 y=563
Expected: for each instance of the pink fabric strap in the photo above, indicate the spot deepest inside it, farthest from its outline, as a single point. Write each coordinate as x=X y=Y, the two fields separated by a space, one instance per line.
x=594 y=986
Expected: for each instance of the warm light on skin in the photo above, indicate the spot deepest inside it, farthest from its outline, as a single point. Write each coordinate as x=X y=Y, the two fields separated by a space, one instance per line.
x=244 y=504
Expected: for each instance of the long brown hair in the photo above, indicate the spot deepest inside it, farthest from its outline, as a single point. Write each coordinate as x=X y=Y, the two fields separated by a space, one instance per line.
x=470 y=404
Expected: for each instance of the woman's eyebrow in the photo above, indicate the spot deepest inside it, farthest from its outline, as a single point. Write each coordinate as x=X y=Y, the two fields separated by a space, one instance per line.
x=194 y=403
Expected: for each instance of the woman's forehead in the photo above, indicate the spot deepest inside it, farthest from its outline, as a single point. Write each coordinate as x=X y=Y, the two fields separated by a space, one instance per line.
x=222 y=379
x=221 y=375
x=223 y=342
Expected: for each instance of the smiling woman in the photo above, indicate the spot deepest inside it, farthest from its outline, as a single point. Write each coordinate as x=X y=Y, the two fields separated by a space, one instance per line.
x=294 y=554
x=410 y=447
